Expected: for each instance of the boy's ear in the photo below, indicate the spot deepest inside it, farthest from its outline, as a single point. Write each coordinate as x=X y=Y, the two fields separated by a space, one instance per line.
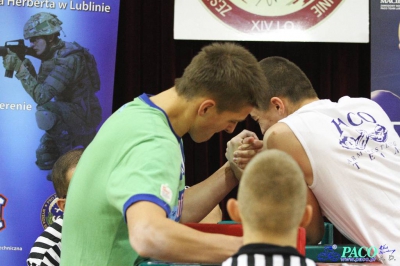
x=61 y=204
x=205 y=106
x=307 y=216
x=232 y=207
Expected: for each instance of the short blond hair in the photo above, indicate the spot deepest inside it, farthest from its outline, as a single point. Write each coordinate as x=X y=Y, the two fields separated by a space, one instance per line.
x=272 y=193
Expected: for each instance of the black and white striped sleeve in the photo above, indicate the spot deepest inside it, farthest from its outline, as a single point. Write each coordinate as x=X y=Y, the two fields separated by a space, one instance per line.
x=262 y=260
x=46 y=250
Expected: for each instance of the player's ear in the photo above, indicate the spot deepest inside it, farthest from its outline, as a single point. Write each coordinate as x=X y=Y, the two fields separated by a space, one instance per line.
x=232 y=207
x=205 y=106
x=307 y=216
x=61 y=204
x=278 y=104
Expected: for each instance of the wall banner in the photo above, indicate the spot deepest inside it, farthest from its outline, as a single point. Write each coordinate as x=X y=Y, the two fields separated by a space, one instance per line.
x=57 y=101
x=273 y=20
x=385 y=57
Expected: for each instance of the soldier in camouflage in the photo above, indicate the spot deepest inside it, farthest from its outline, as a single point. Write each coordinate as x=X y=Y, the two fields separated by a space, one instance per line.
x=64 y=89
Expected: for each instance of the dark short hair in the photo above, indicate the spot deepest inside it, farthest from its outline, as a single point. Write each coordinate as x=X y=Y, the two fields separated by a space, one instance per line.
x=61 y=166
x=286 y=79
x=226 y=72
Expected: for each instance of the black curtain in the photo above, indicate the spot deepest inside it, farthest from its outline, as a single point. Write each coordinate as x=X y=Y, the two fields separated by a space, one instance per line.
x=149 y=59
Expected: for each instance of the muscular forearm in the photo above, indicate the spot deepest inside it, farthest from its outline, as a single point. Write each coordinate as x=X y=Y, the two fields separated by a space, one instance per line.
x=200 y=199
x=157 y=237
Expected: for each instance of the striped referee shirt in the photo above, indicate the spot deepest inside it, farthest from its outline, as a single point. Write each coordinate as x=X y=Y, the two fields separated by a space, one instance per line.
x=46 y=249
x=267 y=255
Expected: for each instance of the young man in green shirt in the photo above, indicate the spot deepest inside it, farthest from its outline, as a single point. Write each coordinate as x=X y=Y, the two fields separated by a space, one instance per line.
x=128 y=192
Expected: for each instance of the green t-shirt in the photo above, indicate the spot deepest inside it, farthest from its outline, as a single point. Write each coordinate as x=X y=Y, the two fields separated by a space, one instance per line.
x=135 y=156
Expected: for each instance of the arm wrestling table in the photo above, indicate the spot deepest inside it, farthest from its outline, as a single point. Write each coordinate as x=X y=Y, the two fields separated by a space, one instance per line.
x=227 y=228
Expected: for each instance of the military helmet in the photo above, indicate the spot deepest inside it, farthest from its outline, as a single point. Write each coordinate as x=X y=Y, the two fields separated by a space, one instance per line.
x=40 y=24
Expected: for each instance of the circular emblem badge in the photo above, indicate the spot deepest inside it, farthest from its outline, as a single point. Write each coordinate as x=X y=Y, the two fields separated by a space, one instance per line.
x=261 y=16
x=50 y=211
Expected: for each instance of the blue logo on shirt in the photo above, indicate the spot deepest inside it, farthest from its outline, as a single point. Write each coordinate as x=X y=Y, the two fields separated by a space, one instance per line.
x=354 y=134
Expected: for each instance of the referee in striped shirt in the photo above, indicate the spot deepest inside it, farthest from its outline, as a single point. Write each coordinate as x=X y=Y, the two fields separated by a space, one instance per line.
x=271 y=205
x=46 y=250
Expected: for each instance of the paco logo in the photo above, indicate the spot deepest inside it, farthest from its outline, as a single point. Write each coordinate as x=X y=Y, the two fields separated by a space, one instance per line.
x=356 y=253
x=368 y=254
x=3 y=202
x=359 y=252
x=50 y=211
x=260 y=16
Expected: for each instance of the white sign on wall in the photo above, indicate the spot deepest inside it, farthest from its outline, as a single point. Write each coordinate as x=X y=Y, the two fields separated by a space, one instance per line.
x=273 y=20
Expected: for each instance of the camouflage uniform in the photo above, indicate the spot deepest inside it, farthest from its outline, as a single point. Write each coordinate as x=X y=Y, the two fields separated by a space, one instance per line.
x=64 y=90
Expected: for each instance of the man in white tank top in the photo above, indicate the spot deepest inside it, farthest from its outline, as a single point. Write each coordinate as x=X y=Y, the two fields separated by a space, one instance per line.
x=348 y=151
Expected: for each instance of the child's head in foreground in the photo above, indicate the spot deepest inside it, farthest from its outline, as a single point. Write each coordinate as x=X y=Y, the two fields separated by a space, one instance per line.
x=62 y=172
x=272 y=198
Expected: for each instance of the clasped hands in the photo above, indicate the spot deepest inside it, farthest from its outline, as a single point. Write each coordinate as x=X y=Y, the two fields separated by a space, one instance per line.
x=241 y=149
